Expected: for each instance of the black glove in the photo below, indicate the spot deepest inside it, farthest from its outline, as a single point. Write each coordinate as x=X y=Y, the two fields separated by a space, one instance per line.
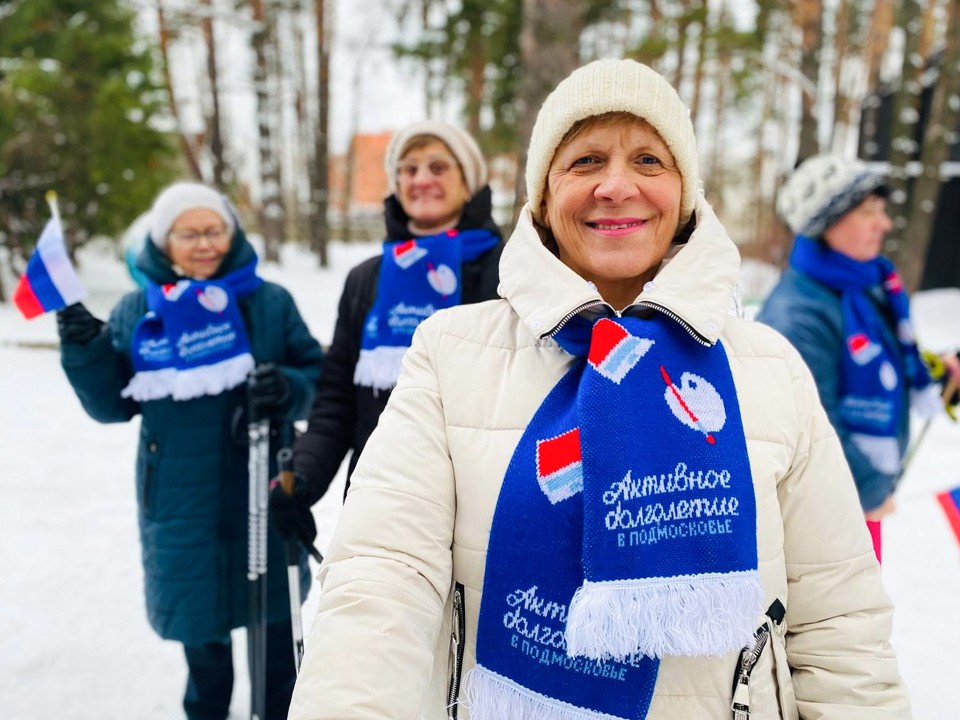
x=76 y=325
x=269 y=388
x=290 y=514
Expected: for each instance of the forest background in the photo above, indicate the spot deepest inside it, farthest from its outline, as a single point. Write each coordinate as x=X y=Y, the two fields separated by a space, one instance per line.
x=107 y=102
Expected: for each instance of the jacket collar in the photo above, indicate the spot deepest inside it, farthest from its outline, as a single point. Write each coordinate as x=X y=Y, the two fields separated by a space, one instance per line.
x=697 y=284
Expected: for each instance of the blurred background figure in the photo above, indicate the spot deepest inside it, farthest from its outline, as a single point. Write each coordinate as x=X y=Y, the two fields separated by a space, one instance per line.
x=178 y=353
x=843 y=306
x=442 y=249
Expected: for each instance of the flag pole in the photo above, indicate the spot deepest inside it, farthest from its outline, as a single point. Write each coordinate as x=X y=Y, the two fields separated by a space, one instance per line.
x=51 y=197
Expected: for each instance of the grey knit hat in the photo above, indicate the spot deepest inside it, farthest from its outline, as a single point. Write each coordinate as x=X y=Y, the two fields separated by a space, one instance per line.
x=822 y=190
x=463 y=147
x=177 y=199
x=605 y=86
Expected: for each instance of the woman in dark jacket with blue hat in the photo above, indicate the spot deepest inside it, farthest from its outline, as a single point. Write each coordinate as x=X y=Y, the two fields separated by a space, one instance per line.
x=179 y=353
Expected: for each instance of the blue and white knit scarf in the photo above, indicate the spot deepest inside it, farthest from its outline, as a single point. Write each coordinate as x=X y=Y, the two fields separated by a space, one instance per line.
x=870 y=388
x=192 y=341
x=417 y=278
x=625 y=531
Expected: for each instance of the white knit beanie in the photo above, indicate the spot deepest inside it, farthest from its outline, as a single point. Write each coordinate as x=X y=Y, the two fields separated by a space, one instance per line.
x=177 y=199
x=463 y=147
x=605 y=86
x=822 y=190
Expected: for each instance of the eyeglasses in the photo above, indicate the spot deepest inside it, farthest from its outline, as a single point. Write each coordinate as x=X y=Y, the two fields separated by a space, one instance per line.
x=214 y=235
x=436 y=168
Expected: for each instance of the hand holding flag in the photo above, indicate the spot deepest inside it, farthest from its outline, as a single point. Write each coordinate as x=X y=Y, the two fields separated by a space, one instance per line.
x=50 y=281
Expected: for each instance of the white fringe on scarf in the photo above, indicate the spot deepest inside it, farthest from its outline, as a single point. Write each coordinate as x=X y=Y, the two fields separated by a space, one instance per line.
x=927 y=403
x=188 y=384
x=489 y=696
x=882 y=452
x=689 y=615
x=379 y=368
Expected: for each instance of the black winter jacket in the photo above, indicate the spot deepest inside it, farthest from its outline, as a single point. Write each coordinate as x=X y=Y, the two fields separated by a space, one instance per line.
x=344 y=415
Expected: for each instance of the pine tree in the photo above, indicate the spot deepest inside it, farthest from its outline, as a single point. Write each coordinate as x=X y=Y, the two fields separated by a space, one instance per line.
x=79 y=107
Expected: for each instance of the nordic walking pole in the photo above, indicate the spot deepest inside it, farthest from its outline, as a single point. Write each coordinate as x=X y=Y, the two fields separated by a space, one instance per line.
x=259 y=472
x=285 y=464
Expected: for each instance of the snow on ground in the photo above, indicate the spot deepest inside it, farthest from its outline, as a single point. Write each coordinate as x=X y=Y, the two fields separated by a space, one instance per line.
x=74 y=639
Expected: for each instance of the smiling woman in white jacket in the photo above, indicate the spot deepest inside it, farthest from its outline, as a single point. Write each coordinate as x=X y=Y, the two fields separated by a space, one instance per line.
x=603 y=496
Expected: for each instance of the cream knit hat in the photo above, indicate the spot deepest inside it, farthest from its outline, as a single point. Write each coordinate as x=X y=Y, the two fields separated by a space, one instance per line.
x=177 y=199
x=605 y=86
x=463 y=147
x=822 y=190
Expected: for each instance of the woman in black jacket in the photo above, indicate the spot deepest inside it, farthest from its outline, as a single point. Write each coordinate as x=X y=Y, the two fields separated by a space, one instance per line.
x=442 y=249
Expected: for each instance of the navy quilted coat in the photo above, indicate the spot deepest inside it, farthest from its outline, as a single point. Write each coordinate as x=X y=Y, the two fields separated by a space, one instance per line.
x=192 y=459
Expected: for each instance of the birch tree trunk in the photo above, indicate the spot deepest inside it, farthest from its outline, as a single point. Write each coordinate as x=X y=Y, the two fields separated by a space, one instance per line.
x=683 y=27
x=878 y=37
x=942 y=121
x=703 y=22
x=810 y=22
x=271 y=213
x=189 y=154
x=320 y=187
x=903 y=129
x=721 y=79
x=548 y=50
x=213 y=122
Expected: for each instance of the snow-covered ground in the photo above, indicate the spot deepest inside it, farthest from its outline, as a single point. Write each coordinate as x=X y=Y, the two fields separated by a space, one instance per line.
x=74 y=639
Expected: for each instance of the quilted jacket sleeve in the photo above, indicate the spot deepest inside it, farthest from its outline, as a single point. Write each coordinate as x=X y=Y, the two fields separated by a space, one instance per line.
x=839 y=617
x=302 y=357
x=99 y=370
x=388 y=570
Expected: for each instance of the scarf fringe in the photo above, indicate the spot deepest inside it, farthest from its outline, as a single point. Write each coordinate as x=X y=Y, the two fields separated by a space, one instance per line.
x=379 y=368
x=191 y=383
x=685 y=616
x=926 y=402
x=882 y=451
x=490 y=696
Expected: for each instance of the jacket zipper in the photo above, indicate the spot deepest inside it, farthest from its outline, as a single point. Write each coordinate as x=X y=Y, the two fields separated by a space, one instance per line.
x=740 y=703
x=457 y=637
x=646 y=303
x=679 y=320
x=573 y=313
x=741 y=687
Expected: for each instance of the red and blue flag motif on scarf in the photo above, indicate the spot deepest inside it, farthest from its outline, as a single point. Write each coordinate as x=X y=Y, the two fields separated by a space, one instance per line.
x=50 y=281
x=950 y=502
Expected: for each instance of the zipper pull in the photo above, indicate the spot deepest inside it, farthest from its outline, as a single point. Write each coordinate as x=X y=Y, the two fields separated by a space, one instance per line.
x=457 y=604
x=741 y=698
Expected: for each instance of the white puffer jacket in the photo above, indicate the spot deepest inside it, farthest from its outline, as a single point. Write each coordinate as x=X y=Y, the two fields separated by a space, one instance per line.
x=416 y=522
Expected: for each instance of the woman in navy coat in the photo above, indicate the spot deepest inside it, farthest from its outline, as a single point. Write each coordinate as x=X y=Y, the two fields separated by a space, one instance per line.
x=178 y=353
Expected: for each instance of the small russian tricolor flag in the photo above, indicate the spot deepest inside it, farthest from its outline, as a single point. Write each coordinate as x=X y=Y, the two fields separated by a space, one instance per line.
x=560 y=466
x=50 y=281
x=950 y=502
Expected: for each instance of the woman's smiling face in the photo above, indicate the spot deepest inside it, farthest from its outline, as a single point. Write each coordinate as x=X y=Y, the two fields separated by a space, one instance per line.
x=430 y=187
x=613 y=205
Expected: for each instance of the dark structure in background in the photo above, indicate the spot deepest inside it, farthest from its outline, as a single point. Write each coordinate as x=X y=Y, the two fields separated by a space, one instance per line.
x=942 y=266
